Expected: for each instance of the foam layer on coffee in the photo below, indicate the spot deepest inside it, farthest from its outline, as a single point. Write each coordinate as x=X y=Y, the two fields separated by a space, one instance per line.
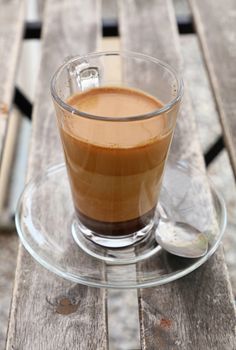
x=115 y=168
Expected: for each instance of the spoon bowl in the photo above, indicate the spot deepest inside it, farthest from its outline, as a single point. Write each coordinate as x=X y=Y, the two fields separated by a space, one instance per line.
x=181 y=239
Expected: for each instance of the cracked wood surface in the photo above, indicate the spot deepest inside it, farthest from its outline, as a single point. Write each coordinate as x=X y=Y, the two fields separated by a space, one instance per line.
x=49 y=312
x=197 y=311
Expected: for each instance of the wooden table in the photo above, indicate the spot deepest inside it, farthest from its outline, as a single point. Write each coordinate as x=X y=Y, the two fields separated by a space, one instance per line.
x=200 y=306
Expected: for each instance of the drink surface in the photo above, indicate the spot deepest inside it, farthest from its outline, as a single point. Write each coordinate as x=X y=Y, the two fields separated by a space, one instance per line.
x=115 y=168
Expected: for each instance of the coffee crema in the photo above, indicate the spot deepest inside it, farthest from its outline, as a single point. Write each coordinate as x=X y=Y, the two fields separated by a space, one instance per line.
x=115 y=168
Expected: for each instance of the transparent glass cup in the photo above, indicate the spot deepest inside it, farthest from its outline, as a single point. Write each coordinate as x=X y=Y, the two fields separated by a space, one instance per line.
x=115 y=163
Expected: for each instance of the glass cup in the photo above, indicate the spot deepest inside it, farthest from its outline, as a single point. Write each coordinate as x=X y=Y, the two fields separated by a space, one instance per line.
x=116 y=154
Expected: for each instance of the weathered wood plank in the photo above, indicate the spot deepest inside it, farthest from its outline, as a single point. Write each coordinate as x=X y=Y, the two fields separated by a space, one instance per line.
x=8 y=252
x=11 y=29
x=215 y=23
x=196 y=312
x=49 y=312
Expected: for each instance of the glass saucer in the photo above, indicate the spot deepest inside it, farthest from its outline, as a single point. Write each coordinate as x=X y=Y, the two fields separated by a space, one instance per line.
x=45 y=215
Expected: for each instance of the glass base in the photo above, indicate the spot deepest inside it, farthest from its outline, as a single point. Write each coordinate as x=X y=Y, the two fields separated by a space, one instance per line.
x=44 y=223
x=122 y=250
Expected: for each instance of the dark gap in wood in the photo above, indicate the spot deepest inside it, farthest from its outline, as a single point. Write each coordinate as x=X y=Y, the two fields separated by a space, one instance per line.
x=22 y=103
x=214 y=150
x=185 y=25
x=110 y=27
x=33 y=30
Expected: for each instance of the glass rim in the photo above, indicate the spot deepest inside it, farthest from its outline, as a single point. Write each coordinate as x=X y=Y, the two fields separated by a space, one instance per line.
x=166 y=107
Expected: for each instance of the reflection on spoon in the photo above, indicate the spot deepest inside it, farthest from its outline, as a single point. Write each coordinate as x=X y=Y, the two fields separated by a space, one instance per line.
x=180 y=238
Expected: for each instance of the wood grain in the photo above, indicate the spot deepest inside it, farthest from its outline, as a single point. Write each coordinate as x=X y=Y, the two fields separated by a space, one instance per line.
x=196 y=312
x=11 y=29
x=7 y=161
x=215 y=23
x=8 y=253
x=49 y=312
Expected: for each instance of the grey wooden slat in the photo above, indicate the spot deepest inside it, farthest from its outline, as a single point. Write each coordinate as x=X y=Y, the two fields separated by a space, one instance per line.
x=11 y=28
x=49 y=312
x=8 y=253
x=215 y=23
x=196 y=312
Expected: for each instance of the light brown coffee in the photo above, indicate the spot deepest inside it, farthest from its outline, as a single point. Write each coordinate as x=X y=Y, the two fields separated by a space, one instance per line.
x=115 y=168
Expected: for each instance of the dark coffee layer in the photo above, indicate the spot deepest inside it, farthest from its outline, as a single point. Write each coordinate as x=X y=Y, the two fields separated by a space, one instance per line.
x=116 y=228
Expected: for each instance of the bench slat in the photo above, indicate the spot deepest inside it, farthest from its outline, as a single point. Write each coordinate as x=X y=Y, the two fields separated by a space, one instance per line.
x=49 y=312
x=195 y=312
x=215 y=23
x=11 y=29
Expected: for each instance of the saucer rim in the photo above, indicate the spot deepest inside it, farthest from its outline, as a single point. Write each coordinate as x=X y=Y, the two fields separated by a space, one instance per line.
x=161 y=280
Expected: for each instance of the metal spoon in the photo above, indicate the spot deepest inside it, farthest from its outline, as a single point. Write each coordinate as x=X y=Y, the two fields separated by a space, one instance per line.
x=180 y=238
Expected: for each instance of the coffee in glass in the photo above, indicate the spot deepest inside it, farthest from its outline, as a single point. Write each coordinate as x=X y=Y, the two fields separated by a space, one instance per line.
x=116 y=133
